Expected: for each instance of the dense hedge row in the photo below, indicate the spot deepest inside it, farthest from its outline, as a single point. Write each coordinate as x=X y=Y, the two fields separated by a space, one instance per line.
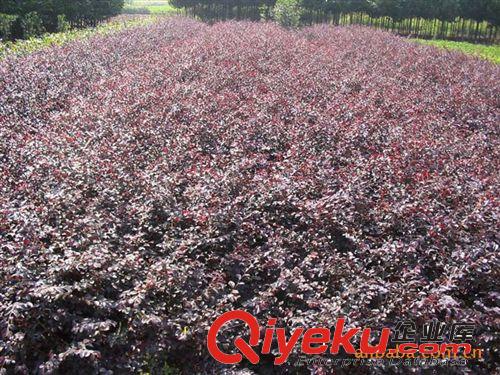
x=156 y=178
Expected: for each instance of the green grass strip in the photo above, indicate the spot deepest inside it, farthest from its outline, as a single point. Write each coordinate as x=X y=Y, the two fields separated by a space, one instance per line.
x=488 y=52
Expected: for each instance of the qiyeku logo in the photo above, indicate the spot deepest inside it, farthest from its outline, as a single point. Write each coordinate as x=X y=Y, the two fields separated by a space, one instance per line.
x=314 y=340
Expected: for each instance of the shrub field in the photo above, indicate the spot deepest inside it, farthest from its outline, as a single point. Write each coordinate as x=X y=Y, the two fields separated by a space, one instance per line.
x=155 y=178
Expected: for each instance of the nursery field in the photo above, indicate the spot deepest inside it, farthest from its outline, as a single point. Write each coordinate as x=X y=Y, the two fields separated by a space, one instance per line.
x=157 y=177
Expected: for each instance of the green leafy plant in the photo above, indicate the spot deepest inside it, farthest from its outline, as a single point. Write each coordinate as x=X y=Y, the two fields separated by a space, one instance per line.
x=31 y=25
x=265 y=12
x=287 y=13
x=6 y=21
x=62 y=23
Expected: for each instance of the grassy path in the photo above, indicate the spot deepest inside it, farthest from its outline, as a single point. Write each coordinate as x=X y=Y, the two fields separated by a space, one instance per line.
x=149 y=6
x=491 y=53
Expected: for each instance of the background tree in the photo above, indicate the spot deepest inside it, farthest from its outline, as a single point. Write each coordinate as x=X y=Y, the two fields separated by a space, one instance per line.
x=36 y=16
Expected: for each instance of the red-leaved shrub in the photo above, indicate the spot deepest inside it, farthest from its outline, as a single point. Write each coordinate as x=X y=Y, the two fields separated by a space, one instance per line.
x=152 y=179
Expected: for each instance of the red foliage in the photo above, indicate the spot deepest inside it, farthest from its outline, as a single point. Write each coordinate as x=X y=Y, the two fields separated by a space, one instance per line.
x=153 y=179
